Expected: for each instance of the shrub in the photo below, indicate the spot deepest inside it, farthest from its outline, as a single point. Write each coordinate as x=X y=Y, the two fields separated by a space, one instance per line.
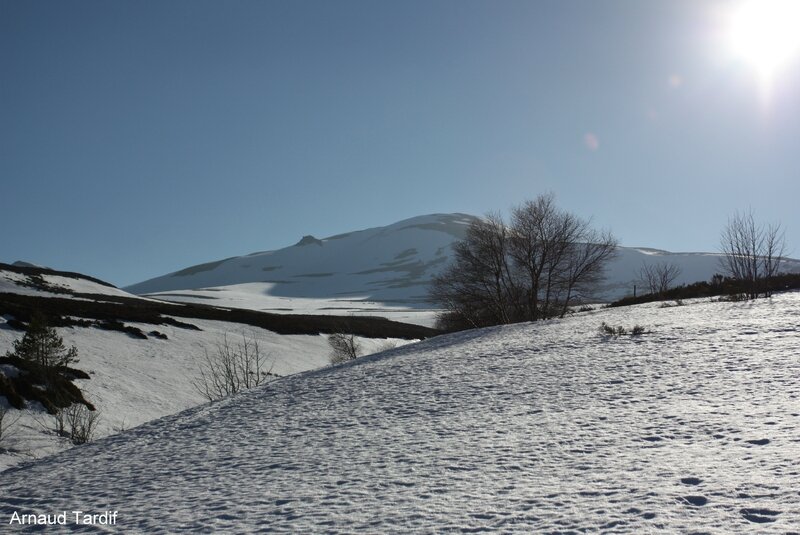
x=7 y=389
x=6 y=421
x=608 y=330
x=113 y=325
x=344 y=347
x=77 y=423
x=231 y=368
x=734 y=297
x=159 y=335
x=3 y=423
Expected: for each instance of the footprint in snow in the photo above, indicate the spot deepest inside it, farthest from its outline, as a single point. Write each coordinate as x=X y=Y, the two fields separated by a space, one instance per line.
x=691 y=481
x=696 y=500
x=759 y=516
x=759 y=442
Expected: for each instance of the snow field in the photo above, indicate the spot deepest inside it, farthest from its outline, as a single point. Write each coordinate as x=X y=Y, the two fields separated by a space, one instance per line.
x=539 y=427
x=134 y=380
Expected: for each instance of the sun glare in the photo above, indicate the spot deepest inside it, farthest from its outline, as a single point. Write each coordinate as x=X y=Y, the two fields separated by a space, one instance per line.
x=766 y=34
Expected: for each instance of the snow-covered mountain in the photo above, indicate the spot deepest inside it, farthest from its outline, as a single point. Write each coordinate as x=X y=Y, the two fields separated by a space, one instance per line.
x=389 y=265
x=384 y=264
x=530 y=428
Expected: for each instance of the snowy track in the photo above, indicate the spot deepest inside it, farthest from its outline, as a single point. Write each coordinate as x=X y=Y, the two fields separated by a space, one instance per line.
x=530 y=428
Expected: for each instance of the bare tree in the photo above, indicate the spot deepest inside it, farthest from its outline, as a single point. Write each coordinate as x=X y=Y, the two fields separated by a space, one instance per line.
x=585 y=262
x=535 y=232
x=752 y=252
x=658 y=278
x=231 y=368
x=773 y=252
x=344 y=347
x=533 y=268
x=480 y=286
x=561 y=257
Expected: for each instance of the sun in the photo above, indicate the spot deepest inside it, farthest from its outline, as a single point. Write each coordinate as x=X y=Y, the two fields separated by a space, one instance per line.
x=766 y=35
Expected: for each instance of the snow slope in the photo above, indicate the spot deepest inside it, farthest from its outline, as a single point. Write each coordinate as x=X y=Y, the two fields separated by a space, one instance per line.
x=374 y=268
x=137 y=380
x=530 y=428
x=55 y=285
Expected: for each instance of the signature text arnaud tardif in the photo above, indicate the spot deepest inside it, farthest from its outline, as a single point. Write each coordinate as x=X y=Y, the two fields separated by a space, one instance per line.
x=107 y=518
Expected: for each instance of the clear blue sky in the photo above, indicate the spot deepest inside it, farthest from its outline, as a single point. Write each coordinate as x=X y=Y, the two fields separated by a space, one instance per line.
x=140 y=137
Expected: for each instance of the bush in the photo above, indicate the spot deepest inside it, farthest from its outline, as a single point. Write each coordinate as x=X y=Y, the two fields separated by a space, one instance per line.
x=113 y=325
x=159 y=335
x=77 y=423
x=344 y=347
x=608 y=330
x=7 y=389
x=231 y=368
x=6 y=421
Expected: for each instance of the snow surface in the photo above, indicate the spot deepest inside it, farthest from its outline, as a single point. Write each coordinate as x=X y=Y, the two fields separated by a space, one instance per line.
x=256 y=296
x=545 y=427
x=134 y=380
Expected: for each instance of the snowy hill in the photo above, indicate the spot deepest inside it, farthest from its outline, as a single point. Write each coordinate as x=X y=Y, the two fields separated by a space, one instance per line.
x=370 y=270
x=142 y=358
x=530 y=428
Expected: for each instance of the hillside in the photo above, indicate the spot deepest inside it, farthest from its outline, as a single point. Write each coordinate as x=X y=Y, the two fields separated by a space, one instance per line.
x=386 y=264
x=383 y=270
x=143 y=355
x=545 y=427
